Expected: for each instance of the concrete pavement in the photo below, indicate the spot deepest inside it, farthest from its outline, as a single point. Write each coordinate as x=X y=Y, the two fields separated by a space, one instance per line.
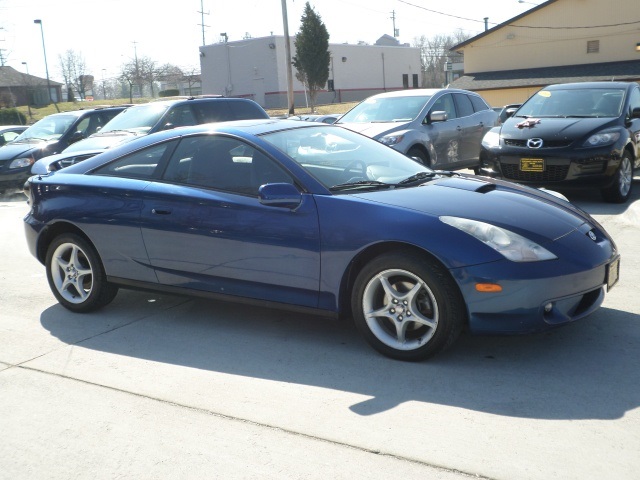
x=158 y=386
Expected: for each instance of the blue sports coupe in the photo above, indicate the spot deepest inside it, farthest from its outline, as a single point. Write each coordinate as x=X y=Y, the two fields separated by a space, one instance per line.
x=318 y=219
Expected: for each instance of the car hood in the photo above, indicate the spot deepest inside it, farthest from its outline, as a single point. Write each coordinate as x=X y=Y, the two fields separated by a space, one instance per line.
x=101 y=142
x=529 y=212
x=16 y=150
x=558 y=128
x=374 y=130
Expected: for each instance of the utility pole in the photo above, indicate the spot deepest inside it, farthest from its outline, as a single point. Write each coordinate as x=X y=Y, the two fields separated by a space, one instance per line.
x=202 y=14
x=287 y=49
x=396 y=32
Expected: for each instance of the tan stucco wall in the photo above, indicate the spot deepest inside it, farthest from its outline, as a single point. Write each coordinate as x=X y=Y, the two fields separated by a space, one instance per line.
x=515 y=47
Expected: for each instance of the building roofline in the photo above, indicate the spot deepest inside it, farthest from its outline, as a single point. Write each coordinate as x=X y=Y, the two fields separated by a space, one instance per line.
x=459 y=46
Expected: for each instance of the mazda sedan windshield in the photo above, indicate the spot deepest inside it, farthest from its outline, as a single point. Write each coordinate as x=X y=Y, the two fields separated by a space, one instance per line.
x=572 y=102
x=340 y=158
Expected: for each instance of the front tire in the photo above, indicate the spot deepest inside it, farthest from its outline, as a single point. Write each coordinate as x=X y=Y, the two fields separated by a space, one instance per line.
x=407 y=307
x=417 y=153
x=76 y=276
x=620 y=190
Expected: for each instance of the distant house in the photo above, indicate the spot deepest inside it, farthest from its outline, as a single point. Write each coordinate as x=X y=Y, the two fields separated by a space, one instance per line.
x=18 y=89
x=256 y=68
x=558 y=41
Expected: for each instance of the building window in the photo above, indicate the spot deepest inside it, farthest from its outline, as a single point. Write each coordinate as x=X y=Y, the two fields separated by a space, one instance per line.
x=593 y=46
x=415 y=80
x=405 y=80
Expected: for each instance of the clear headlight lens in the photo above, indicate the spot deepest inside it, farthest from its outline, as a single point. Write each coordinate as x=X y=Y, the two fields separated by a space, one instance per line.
x=602 y=138
x=512 y=246
x=21 y=162
x=391 y=139
x=491 y=140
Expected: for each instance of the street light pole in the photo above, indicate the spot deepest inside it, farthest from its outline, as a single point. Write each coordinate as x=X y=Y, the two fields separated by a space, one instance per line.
x=46 y=68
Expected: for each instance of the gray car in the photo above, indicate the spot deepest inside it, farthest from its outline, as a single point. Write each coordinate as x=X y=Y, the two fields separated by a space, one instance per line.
x=443 y=128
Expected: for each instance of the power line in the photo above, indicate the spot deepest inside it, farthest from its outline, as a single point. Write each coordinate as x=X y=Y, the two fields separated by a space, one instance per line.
x=520 y=26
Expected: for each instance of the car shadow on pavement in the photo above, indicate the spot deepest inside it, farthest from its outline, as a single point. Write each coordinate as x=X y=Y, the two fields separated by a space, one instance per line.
x=580 y=371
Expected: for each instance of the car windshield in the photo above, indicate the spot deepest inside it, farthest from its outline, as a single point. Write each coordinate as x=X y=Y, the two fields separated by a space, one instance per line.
x=572 y=102
x=49 y=128
x=139 y=119
x=343 y=160
x=386 y=109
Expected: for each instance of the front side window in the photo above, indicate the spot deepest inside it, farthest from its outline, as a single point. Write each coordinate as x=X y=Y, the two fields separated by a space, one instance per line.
x=445 y=104
x=222 y=163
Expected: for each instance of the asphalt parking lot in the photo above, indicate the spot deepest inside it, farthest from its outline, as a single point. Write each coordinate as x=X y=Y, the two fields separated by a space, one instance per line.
x=158 y=386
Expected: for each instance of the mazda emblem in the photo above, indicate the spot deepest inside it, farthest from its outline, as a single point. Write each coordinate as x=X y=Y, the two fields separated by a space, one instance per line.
x=592 y=235
x=534 y=143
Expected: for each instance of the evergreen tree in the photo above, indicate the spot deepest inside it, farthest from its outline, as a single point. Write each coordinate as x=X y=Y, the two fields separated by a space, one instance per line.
x=312 y=53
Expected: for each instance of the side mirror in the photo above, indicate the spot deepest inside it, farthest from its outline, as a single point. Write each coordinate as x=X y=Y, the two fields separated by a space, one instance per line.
x=283 y=195
x=635 y=113
x=168 y=126
x=76 y=137
x=437 y=116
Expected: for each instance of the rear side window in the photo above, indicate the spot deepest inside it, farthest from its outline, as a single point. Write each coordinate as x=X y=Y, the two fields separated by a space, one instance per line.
x=242 y=110
x=463 y=104
x=478 y=103
x=215 y=111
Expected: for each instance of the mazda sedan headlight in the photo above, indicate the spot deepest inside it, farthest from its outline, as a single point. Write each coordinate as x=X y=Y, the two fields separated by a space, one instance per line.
x=511 y=245
x=391 y=139
x=602 y=138
x=22 y=162
x=491 y=140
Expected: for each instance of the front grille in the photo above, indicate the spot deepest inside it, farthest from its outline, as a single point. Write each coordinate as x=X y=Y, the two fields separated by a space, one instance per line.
x=552 y=173
x=512 y=142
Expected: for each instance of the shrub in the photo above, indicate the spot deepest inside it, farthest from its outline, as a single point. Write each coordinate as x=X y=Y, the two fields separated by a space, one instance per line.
x=173 y=92
x=11 y=116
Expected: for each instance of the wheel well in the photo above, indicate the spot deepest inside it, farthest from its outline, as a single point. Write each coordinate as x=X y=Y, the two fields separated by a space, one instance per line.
x=349 y=277
x=423 y=150
x=53 y=231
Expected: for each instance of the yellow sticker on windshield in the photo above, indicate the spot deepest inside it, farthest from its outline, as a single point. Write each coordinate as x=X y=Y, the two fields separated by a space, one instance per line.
x=544 y=93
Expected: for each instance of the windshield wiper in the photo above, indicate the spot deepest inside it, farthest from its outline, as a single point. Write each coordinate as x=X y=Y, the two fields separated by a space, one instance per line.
x=417 y=177
x=360 y=184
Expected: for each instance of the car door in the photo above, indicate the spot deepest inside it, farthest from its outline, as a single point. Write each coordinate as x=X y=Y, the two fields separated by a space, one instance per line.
x=445 y=136
x=472 y=128
x=204 y=227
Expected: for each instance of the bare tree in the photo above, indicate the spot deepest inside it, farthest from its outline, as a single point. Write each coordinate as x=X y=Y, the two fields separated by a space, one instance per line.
x=73 y=69
x=435 y=54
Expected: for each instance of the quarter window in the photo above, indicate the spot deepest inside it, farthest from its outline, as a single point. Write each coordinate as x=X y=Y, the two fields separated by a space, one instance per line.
x=140 y=164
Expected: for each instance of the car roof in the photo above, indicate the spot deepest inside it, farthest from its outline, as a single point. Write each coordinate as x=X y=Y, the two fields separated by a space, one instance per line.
x=583 y=85
x=79 y=113
x=418 y=92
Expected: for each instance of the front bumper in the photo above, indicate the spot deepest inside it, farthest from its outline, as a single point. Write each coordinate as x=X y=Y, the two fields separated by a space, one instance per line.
x=558 y=167
x=14 y=178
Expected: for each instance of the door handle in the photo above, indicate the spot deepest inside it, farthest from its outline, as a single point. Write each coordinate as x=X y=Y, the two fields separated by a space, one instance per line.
x=158 y=211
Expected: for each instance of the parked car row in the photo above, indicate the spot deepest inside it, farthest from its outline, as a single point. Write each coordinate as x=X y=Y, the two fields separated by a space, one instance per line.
x=77 y=135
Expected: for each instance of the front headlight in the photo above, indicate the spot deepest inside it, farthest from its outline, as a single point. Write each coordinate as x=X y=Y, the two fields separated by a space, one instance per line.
x=511 y=245
x=491 y=140
x=602 y=138
x=22 y=162
x=391 y=139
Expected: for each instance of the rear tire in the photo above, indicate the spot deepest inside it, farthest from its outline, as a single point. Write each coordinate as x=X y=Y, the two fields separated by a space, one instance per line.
x=407 y=306
x=620 y=190
x=76 y=276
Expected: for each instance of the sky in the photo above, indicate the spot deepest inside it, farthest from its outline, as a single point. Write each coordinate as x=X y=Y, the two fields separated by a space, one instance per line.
x=110 y=33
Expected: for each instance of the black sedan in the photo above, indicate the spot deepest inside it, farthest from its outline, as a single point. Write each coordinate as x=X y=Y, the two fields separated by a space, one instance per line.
x=570 y=135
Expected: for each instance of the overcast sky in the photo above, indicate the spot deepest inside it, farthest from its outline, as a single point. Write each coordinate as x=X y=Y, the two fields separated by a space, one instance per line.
x=109 y=33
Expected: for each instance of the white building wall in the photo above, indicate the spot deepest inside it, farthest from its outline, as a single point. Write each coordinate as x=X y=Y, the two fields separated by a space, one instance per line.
x=256 y=69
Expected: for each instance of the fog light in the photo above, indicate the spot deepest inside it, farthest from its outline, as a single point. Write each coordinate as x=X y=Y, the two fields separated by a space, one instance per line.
x=548 y=307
